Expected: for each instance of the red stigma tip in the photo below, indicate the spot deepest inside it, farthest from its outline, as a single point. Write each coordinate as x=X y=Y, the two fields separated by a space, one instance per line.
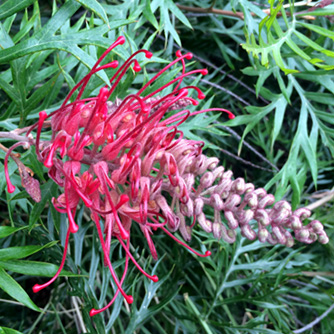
x=148 y=54
x=155 y=278
x=195 y=103
x=10 y=188
x=48 y=163
x=36 y=288
x=204 y=71
x=124 y=198
x=124 y=234
x=114 y=63
x=231 y=116
x=189 y=55
x=74 y=228
x=129 y=299
x=43 y=115
x=93 y=312
x=121 y=40
x=201 y=96
x=136 y=68
x=178 y=53
x=207 y=253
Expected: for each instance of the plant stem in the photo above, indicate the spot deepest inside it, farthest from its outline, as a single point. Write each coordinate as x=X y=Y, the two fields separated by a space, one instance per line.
x=238 y=15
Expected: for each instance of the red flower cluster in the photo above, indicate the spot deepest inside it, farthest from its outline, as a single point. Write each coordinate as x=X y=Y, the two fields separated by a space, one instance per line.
x=121 y=158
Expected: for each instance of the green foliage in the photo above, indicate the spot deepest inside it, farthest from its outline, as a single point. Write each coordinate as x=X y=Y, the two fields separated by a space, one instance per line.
x=274 y=46
x=280 y=85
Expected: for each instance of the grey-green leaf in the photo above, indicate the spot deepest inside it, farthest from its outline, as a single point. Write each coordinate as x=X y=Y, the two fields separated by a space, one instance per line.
x=11 y=7
x=96 y=8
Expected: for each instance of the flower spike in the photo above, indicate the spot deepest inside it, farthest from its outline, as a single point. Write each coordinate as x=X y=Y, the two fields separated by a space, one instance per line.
x=129 y=162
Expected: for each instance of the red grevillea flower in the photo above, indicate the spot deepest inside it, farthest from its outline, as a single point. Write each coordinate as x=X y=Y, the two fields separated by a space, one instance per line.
x=120 y=158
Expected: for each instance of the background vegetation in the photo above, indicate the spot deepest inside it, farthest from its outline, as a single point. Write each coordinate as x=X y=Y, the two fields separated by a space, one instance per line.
x=271 y=63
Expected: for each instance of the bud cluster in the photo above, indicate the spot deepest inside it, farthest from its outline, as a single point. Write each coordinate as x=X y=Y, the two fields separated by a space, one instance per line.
x=239 y=204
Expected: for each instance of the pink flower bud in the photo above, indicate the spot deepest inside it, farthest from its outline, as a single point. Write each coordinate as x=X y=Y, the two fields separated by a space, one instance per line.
x=289 y=239
x=228 y=174
x=278 y=232
x=218 y=172
x=280 y=216
x=282 y=205
x=302 y=213
x=295 y=222
x=198 y=163
x=216 y=202
x=198 y=206
x=260 y=192
x=263 y=235
x=187 y=209
x=224 y=185
x=211 y=163
x=231 y=221
x=262 y=217
x=232 y=201
x=266 y=201
x=272 y=239
x=228 y=235
x=184 y=230
x=323 y=239
x=248 y=233
x=204 y=223
x=189 y=179
x=244 y=217
x=251 y=199
x=249 y=187
x=216 y=230
x=316 y=226
x=206 y=180
x=173 y=222
x=238 y=186
x=302 y=234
